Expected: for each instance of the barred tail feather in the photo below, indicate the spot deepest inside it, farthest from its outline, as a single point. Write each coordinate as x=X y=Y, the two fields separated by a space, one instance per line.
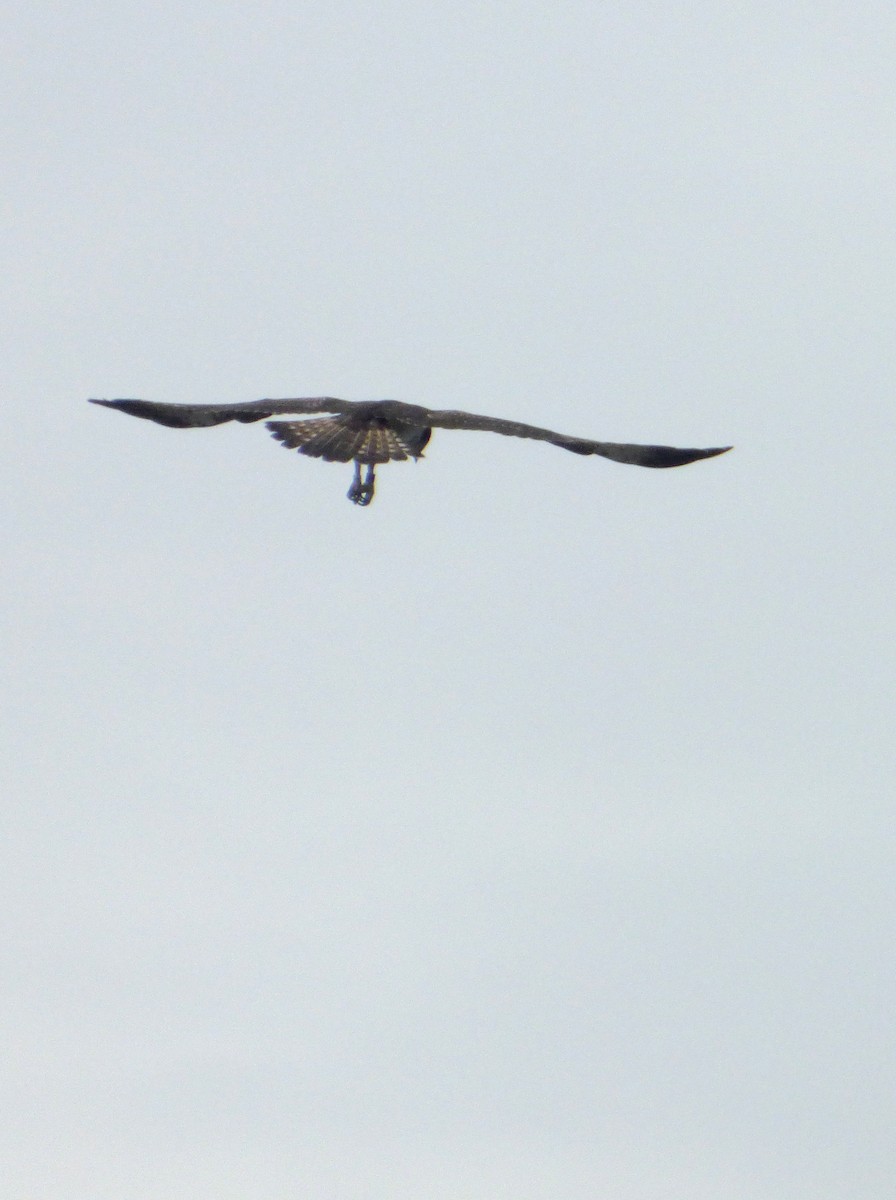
x=328 y=438
x=294 y=434
x=336 y=439
x=381 y=445
x=333 y=443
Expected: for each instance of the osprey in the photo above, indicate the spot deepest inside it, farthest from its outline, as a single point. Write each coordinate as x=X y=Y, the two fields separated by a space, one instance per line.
x=370 y=432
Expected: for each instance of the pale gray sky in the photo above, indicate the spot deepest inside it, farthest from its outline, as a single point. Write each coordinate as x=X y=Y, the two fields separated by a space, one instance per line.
x=530 y=834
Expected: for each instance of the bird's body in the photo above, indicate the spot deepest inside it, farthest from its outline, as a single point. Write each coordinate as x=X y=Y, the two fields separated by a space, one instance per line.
x=370 y=432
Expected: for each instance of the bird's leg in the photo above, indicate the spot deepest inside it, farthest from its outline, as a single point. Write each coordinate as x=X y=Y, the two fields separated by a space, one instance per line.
x=369 y=482
x=362 y=493
x=354 y=492
x=367 y=489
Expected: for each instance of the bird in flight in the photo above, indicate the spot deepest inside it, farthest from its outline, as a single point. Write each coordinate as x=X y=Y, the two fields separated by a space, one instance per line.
x=370 y=432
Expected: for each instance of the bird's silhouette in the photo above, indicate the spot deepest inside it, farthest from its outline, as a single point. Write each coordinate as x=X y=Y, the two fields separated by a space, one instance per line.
x=370 y=432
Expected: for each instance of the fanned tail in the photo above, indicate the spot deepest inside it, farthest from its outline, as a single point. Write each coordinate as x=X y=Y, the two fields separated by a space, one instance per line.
x=339 y=439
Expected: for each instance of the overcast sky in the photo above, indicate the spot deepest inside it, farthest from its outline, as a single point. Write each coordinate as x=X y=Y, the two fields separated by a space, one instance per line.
x=528 y=835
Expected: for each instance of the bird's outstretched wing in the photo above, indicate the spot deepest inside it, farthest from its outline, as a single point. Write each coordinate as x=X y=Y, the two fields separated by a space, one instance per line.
x=186 y=416
x=640 y=456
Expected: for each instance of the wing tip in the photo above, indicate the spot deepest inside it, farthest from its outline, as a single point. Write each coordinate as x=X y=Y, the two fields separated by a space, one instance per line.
x=681 y=458
x=120 y=404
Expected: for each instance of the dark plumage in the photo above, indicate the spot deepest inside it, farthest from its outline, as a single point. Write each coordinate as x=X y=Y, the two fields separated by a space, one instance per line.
x=369 y=432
